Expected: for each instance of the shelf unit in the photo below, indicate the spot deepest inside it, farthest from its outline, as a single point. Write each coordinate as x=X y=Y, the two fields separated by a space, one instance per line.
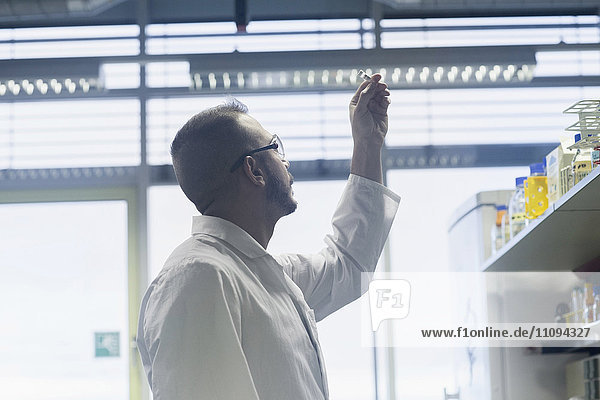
x=565 y=238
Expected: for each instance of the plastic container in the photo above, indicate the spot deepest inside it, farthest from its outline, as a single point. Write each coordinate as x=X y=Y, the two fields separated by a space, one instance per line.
x=499 y=229
x=536 y=191
x=516 y=208
x=596 y=307
x=596 y=157
x=562 y=311
x=588 y=311
x=577 y=303
x=582 y=163
x=558 y=171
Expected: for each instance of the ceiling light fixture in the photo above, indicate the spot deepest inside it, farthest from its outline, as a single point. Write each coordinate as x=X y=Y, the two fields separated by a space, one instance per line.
x=407 y=68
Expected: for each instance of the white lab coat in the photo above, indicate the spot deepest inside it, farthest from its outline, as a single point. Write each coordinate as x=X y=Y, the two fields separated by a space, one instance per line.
x=225 y=320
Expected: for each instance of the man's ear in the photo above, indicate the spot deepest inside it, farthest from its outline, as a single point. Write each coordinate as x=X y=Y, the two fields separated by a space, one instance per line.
x=253 y=172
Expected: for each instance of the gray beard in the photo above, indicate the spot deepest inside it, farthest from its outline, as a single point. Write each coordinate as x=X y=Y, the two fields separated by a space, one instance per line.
x=279 y=195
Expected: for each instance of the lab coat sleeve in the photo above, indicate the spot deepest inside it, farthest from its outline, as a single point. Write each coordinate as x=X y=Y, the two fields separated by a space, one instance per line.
x=331 y=278
x=194 y=337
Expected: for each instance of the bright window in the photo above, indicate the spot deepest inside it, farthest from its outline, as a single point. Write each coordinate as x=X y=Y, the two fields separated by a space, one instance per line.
x=419 y=242
x=70 y=133
x=64 y=301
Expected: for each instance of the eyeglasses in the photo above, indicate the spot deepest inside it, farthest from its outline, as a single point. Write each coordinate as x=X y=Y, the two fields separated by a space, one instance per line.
x=275 y=144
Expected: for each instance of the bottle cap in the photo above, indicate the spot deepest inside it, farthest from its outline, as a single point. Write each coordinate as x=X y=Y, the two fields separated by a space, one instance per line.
x=520 y=181
x=500 y=207
x=536 y=168
x=577 y=137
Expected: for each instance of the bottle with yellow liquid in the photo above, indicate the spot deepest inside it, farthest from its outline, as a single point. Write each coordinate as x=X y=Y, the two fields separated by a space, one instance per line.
x=516 y=208
x=536 y=191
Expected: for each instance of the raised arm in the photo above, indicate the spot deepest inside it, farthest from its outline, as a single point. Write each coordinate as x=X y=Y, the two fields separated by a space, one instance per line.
x=331 y=278
x=369 y=120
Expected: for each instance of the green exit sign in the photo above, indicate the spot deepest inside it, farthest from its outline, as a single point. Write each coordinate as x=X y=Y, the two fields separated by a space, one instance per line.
x=106 y=344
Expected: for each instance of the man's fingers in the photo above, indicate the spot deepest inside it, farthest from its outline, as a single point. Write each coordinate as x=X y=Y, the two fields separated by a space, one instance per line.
x=372 y=95
x=384 y=98
x=379 y=104
x=373 y=89
x=378 y=107
x=360 y=89
x=374 y=86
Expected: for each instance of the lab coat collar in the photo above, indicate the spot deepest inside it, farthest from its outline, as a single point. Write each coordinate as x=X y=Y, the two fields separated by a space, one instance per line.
x=229 y=232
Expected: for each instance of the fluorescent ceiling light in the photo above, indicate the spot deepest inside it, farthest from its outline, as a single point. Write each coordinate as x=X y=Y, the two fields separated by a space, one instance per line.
x=338 y=69
x=55 y=76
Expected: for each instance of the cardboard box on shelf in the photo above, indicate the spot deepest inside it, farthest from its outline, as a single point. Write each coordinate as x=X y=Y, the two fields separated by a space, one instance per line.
x=558 y=170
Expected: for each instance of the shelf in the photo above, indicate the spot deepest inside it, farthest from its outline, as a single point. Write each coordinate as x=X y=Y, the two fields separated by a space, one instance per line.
x=565 y=238
x=583 y=346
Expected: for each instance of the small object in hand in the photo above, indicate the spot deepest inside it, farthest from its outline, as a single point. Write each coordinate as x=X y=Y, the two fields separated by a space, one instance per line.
x=363 y=74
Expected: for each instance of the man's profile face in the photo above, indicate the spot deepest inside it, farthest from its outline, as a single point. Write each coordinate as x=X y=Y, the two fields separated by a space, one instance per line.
x=278 y=180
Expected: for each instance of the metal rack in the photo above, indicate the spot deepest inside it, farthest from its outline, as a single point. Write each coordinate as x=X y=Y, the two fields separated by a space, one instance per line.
x=588 y=125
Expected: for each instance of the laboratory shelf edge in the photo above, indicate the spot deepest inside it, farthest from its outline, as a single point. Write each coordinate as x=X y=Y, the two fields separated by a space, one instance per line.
x=565 y=238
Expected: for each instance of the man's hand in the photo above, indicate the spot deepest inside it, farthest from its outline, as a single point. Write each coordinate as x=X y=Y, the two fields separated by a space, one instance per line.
x=368 y=112
x=369 y=120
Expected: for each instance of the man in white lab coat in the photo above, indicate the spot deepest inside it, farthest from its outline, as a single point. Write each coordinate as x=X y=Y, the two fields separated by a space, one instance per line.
x=224 y=319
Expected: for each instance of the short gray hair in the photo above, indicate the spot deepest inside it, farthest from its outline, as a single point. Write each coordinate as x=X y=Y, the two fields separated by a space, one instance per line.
x=204 y=148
